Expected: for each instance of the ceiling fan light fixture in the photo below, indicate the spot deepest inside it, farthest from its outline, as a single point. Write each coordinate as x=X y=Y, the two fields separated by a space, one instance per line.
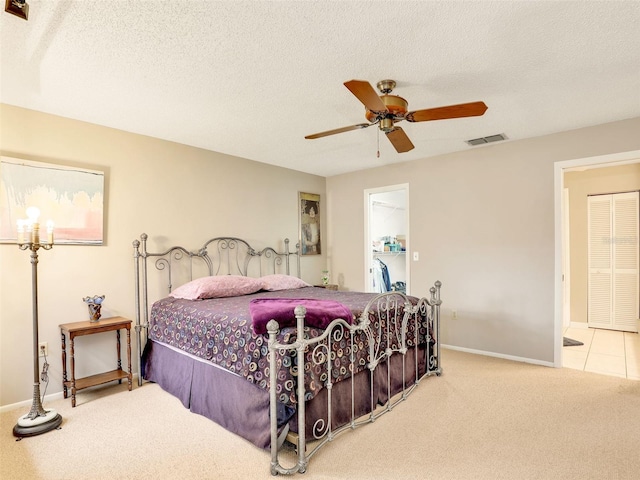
x=396 y=108
x=19 y=8
x=386 y=86
x=386 y=124
x=386 y=109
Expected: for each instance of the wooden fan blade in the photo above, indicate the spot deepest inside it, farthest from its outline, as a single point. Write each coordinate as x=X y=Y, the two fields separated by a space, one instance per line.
x=339 y=130
x=399 y=140
x=366 y=94
x=473 y=109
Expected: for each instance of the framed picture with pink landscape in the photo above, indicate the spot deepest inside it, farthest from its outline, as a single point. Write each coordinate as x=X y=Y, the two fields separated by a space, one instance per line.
x=70 y=198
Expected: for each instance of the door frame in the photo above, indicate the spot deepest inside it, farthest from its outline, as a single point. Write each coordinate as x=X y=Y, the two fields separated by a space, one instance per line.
x=368 y=241
x=559 y=168
x=566 y=260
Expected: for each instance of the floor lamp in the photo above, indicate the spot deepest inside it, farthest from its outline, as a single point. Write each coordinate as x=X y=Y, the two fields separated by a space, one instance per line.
x=38 y=420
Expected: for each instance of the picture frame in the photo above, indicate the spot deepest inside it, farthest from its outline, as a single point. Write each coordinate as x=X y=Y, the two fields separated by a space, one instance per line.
x=310 y=228
x=71 y=197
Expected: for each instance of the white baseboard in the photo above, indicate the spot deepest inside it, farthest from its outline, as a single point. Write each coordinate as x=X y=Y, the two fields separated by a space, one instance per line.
x=27 y=403
x=498 y=355
x=47 y=398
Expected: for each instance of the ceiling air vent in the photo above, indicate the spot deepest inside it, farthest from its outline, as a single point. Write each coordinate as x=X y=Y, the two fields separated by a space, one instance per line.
x=491 y=138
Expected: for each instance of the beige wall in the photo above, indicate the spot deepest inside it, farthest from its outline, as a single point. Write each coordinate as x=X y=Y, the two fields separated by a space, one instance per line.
x=483 y=223
x=623 y=178
x=174 y=193
x=482 y=220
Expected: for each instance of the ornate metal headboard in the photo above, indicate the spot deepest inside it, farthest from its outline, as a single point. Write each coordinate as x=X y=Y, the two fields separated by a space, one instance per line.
x=217 y=256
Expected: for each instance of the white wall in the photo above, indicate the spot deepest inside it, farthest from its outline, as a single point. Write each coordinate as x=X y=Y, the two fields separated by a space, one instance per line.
x=174 y=193
x=483 y=223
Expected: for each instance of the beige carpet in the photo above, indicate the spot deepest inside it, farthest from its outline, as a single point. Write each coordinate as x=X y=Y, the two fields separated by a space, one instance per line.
x=484 y=418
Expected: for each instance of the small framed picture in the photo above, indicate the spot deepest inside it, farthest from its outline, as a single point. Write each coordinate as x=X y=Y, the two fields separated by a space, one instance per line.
x=310 y=231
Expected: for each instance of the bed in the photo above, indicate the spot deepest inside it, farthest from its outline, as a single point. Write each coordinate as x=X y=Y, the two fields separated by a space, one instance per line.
x=225 y=328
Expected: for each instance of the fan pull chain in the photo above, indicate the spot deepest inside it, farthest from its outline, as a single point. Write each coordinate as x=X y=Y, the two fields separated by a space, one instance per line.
x=378 y=155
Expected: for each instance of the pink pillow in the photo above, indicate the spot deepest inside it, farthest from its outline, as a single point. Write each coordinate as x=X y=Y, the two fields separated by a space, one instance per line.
x=217 y=287
x=282 y=282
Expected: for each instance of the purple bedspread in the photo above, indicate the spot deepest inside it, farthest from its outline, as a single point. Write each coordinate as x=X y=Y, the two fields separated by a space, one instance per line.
x=320 y=313
x=220 y=330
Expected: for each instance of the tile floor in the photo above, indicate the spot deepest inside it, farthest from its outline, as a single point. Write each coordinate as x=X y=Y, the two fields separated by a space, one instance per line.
x=607 y=352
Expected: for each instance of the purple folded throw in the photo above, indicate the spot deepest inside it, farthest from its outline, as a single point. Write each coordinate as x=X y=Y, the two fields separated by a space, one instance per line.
x=320 y=313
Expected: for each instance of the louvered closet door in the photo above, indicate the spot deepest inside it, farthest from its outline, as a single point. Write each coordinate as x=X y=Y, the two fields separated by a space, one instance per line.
x=613 y=261
x=625 y=261
x=599 y=253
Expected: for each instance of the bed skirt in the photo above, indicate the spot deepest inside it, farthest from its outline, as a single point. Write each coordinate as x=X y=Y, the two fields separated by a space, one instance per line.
x=243 y=408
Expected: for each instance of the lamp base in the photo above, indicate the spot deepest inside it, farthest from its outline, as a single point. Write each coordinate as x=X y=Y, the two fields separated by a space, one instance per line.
x=27 y=427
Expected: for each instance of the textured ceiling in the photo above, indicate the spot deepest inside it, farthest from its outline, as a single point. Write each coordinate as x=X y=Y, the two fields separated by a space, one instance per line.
x=252 y=78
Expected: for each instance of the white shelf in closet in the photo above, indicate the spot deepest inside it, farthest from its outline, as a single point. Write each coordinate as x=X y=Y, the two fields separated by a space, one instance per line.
x=390 y=253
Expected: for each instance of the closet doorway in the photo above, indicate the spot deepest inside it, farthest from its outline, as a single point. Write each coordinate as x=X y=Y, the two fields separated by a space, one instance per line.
x=613 y=253
x=578 y=298
x=387 y=239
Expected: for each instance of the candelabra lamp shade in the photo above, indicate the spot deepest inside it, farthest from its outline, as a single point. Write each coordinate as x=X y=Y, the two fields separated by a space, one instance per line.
x=38 y=420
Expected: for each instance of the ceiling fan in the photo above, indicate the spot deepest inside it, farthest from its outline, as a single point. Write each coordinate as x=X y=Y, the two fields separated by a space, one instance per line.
x=385 y=110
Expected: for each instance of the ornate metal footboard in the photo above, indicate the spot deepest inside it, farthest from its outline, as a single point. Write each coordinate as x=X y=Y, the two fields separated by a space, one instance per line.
x=390 y=325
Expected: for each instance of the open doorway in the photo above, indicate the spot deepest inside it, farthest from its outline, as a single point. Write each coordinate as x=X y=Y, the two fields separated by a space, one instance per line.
x=562 y=278
x=387 y=238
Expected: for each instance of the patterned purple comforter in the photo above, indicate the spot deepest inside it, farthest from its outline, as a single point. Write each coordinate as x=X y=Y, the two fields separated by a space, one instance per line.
x=220 y=330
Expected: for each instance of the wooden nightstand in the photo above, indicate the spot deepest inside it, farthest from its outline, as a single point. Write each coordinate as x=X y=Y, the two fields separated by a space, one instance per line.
x=328 y=287
x=78 y=329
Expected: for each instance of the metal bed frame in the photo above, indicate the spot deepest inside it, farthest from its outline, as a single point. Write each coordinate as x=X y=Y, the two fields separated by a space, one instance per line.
x=393 y=337
x=233 y=255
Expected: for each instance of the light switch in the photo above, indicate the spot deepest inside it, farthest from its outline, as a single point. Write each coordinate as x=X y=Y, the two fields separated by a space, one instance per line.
x=416 y=256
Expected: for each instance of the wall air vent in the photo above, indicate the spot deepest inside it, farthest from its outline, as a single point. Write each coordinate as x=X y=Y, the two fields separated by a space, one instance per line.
x=491 y=138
